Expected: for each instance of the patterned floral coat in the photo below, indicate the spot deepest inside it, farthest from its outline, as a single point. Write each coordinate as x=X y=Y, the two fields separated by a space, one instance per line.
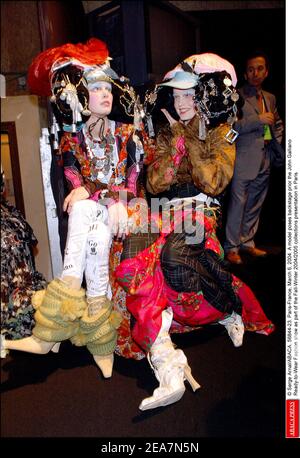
x=78 y=170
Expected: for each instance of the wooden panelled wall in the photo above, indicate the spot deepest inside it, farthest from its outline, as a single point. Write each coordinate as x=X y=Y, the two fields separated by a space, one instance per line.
x=28 y=27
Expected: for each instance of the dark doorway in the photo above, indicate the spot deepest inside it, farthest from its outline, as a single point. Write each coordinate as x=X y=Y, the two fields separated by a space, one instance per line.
x=11 y=165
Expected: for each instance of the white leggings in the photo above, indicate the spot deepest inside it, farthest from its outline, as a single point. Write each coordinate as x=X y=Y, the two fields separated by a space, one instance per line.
x=88 y=245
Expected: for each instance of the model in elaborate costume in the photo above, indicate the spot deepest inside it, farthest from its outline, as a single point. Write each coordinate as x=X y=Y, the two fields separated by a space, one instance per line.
x=99 y=160
x=180 y=282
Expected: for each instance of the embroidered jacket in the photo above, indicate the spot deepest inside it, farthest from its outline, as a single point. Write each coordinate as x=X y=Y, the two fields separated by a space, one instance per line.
x=78 y=168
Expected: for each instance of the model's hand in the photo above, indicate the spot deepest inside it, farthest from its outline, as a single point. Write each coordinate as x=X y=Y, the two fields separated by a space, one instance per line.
x=118 y=220
x=267 y=118
x=75 y=195
x=169 y=117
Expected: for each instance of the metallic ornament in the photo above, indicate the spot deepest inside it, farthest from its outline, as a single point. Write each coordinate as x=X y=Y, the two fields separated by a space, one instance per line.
x=86 y=112
x=231 y=135
x=234 y=96
x=227 y=92
x=227 y=81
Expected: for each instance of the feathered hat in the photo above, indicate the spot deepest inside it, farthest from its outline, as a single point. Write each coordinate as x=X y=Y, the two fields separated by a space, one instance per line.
x=40 y=73
x=67 y=72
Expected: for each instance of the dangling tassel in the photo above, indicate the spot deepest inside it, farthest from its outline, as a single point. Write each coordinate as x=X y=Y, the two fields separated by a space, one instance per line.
x=79 y=110
x=138 y=114
x=202 y=127
x=138 y=151
x=232 y=134
x=136 y=119
x=54 y=129
x=74 y=119
x=55 y=145
x=150 y=128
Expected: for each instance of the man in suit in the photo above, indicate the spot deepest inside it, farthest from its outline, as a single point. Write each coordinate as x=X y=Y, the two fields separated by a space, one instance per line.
x=259 y=124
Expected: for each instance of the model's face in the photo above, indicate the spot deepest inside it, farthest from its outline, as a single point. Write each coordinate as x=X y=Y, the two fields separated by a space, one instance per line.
x=256 y=71
x=101 y=98
x=184 y=103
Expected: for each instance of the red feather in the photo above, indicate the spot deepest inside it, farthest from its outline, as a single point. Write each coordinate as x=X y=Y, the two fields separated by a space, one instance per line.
x=92 y=52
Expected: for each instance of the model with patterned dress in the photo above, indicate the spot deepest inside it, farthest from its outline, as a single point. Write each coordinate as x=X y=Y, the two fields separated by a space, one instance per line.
x=99 y=158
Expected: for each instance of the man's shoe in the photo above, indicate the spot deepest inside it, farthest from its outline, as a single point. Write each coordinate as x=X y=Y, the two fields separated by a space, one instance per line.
x=234 y=257
x=252 y=251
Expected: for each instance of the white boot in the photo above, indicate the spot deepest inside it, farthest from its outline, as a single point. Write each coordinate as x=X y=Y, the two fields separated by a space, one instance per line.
x=235 y=328
x=30 y=344
x=170 y=367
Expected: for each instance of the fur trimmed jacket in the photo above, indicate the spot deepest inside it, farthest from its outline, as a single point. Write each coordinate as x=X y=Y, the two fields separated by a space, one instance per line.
x=181 y=157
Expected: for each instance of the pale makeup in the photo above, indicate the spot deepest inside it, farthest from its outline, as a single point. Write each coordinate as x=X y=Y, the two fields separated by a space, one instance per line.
x=101 y=98
x=184 y=103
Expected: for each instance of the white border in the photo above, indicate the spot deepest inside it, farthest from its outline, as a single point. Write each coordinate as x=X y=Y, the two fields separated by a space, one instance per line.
x=292 y=200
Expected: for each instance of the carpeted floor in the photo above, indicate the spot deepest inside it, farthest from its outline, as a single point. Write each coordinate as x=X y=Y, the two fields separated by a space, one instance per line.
x=64 y=396
x=242 y=394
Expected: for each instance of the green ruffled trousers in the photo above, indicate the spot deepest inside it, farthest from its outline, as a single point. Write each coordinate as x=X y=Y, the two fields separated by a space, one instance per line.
x=62 y=313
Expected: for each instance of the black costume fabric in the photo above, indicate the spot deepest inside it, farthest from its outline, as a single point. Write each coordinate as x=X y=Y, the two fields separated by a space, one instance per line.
x=19 y=278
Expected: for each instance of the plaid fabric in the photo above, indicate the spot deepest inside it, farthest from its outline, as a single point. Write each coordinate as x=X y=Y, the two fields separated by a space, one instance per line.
x=135 y=243
x=181 y=190
x=192 y=268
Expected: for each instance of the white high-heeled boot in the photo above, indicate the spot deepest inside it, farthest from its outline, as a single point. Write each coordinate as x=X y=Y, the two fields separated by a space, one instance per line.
x=170 y=367
x=235 y=328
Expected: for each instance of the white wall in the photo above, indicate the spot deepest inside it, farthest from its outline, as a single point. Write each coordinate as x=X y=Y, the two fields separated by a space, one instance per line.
x=24 y=111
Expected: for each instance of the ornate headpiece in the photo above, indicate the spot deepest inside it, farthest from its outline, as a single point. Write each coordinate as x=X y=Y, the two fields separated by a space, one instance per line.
x=100 y=73
x=204 y=63
x=214 y=80
x=67 y=72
